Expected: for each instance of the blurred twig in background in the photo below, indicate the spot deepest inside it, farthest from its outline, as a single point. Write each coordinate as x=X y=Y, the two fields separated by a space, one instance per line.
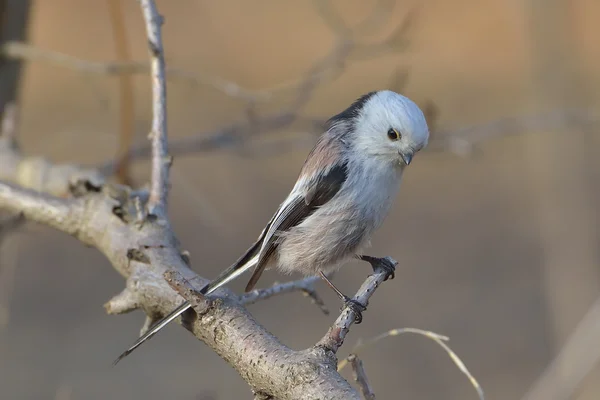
x=345 y=48
x=27 y=52
x=397 y=41
x=437 y=338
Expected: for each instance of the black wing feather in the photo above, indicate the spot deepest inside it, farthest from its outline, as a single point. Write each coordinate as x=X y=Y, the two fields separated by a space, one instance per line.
x=323 y=188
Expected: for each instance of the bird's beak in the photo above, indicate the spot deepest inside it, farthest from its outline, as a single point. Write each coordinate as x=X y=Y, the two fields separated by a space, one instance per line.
x=407 y=156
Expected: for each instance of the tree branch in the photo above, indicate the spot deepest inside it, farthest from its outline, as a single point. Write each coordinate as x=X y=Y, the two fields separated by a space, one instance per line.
x=306 y=286
x=334 y=338
x=360 y=377
x=267 y=365
x=108 y=218
x=161 y=161
x=63 y=214
x=28 y=52
x=142 y=247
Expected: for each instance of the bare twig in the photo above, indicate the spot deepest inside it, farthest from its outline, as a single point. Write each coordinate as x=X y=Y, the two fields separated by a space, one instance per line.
x=382 y=11
x=223 y=138
x=462 y=141
x=360 y=377
x=306 y=286
x=359 y=51
x=161 y=161
x=126 y=98
x=28 y=52
x=439 y=339
x=336 y=334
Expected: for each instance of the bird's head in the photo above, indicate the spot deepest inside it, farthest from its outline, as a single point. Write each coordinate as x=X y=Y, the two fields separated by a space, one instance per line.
x=387 y=125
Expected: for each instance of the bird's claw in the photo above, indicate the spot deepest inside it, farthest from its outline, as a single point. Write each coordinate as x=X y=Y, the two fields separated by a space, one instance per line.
x=388 y=265
x=356 y=307
x=390 y=269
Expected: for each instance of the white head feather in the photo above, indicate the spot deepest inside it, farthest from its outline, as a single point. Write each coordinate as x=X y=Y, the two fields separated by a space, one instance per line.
x=385 y=110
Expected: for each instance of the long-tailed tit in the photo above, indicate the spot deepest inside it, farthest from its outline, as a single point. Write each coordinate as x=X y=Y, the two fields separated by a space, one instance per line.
x=343 y=194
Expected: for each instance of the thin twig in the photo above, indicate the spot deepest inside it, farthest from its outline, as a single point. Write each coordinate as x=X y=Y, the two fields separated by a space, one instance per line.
x=306 y=286
x=336 y=334
x=360 y=377
x=358 y=51
x=29 y=52
x=161 y=162
x=439 y=339
x=222 y=138
x=462 y=141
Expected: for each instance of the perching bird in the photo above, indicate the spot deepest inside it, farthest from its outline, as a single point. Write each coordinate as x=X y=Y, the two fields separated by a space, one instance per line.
x=343 y=193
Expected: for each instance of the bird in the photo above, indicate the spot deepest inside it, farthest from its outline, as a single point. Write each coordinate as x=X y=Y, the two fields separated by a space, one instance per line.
x=342 y=195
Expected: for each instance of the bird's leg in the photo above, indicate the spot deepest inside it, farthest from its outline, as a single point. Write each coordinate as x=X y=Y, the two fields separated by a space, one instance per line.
x=348 y=302
x=381 y=262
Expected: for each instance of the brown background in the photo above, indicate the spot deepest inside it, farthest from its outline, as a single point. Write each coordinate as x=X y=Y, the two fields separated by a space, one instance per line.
x=498 y=251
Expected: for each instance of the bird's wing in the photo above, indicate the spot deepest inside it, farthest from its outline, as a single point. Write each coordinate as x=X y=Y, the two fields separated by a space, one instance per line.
x=300 y=204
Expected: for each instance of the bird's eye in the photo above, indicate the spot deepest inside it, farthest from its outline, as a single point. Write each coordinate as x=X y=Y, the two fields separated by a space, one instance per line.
x=393 y=134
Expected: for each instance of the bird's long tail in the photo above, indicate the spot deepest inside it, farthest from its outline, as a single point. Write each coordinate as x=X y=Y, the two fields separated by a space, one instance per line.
x=225 y=277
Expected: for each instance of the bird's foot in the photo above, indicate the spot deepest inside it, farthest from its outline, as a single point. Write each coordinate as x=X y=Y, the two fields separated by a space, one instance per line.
x=356 y=307
x=352 y=304
x=386 y=263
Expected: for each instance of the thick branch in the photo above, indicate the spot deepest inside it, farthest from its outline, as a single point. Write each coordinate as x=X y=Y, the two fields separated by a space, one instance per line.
x=39 y=174
x=266 y=364
x=161 y=161
x=62 y=214
x=142 y=249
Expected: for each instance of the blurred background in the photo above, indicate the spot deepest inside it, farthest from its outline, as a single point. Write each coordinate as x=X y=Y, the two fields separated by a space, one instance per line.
x=496 y=226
